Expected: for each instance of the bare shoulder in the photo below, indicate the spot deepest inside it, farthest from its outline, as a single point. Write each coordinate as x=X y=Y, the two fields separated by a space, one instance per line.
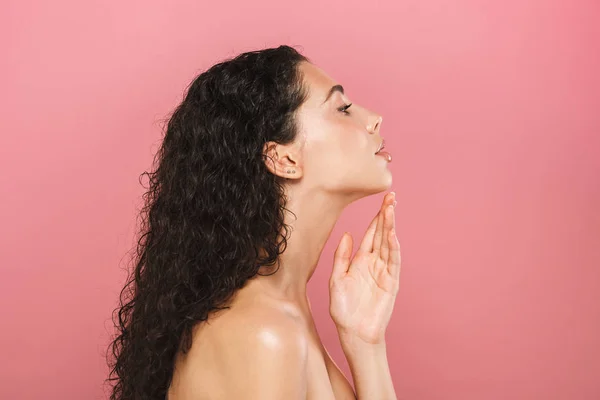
x=269 y=329
x=252 y=351
x=271 y=356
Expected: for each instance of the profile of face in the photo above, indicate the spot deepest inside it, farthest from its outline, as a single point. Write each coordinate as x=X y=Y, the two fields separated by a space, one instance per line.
x=335 y=150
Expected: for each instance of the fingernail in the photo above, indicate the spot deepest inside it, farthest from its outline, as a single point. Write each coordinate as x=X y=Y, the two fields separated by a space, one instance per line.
x=395 y=202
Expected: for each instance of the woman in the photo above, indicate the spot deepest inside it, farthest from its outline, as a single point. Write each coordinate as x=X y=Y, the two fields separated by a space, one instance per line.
x=256 y=165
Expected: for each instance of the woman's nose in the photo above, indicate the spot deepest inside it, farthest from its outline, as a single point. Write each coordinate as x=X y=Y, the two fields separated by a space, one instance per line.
x=375 y=123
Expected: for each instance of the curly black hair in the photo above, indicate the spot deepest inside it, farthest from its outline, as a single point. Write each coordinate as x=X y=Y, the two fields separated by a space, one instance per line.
x=213 y=213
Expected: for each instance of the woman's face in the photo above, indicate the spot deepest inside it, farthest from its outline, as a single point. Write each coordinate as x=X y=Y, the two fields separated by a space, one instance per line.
x=337 y=145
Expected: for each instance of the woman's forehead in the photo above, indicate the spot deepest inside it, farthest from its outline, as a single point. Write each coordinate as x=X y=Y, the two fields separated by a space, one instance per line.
x=319 y=83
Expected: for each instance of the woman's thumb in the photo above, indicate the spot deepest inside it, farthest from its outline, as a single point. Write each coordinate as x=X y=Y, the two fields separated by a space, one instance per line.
x=341 y=258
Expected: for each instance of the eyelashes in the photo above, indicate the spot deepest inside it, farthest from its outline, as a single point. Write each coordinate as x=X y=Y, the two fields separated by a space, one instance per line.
x=344 y=108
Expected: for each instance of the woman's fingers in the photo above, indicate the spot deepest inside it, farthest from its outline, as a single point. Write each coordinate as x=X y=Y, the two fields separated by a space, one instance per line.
x=388 y=224
x=395 y=259
x=341 y=257
x=366 y=245
x=379 y=233
x=374 y=235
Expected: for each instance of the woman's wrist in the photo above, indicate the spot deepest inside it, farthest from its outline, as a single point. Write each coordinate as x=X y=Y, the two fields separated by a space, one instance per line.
x=352 y=338
x=356 y=345
x=369 y=367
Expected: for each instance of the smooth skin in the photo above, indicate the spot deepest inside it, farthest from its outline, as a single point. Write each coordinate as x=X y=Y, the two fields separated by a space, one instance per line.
x=266 y=345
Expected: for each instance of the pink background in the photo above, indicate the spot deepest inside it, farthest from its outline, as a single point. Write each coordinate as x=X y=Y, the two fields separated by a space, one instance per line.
x=491 y=110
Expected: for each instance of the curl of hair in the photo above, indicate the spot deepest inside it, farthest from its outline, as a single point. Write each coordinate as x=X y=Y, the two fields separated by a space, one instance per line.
x=213 y=213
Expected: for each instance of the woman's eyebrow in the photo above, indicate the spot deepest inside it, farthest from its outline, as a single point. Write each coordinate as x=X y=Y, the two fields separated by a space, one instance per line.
x=335 y=88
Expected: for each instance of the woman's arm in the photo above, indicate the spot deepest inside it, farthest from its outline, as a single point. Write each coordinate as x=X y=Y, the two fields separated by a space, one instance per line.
x=370 y=370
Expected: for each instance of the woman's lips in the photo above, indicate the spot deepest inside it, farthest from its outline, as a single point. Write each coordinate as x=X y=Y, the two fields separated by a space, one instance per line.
x=385 y=154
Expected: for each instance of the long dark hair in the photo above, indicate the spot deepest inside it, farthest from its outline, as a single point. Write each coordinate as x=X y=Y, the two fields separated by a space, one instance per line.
x=213 y=213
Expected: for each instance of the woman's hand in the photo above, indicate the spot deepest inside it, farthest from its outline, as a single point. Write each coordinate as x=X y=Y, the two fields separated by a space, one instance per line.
x=363 y=290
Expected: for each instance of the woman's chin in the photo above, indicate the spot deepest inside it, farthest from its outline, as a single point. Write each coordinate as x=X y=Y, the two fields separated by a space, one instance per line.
x=381 y=183
x=387 y=179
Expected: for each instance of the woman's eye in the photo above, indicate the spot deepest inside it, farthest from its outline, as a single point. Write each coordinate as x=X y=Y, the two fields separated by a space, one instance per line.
x=344 y=108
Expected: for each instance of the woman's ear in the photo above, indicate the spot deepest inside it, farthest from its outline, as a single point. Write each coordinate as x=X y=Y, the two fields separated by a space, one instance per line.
x=279 y=160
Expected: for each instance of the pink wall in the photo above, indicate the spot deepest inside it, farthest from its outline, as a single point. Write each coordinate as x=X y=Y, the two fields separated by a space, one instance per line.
x=491 y=110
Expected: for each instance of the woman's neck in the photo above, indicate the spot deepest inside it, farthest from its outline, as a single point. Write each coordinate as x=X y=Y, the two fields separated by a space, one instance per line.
x=316 y=215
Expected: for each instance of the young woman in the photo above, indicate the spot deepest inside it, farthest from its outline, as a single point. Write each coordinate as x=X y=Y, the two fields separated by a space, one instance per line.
x=256 y=166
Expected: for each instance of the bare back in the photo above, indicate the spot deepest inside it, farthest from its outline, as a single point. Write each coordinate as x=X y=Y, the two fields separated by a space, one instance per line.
x=219 y=366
